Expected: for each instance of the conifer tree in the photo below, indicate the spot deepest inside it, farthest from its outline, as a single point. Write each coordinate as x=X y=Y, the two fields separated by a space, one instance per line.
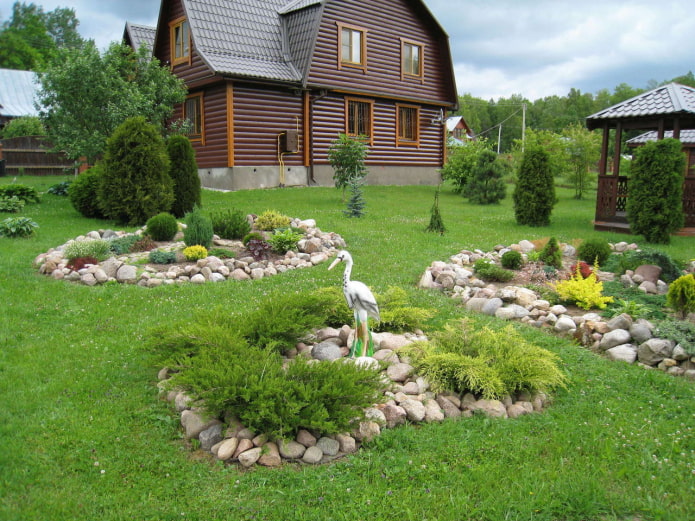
x=534 y=196
x=184 y=174
x=486 y=185
x=436 y=223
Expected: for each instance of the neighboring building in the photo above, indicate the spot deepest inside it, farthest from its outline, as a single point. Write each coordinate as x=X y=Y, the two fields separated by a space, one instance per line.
x=137 y=35
x=17 y=94
x=273 y=82
x=459 y=131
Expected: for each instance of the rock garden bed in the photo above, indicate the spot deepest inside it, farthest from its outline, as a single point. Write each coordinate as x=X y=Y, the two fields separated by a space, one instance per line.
x=619 y=338
x=409 y=400
x=134 y=268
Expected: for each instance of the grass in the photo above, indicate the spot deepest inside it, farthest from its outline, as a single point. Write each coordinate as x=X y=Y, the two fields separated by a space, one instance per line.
x=84 y=435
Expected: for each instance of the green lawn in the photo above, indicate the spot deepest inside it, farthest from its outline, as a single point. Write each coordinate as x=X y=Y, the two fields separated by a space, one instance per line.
x=84 y=436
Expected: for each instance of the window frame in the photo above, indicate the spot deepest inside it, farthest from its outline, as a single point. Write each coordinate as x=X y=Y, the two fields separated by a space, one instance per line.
x=194 y=136
x=405 y=44
x=401 y=140
x=342 y=62
x=185 y=47
x=368 y=138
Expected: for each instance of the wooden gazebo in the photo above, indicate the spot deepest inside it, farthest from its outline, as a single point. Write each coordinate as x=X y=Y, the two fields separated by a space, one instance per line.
x=666 y=110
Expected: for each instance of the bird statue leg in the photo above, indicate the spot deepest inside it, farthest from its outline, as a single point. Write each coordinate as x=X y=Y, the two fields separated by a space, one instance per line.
x=362 y=345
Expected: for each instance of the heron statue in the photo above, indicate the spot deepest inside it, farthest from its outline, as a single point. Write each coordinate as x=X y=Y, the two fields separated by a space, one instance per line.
x=361 y=300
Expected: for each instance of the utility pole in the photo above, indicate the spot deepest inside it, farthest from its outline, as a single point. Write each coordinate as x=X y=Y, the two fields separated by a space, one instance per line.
x=499 y=139
x=523 y=127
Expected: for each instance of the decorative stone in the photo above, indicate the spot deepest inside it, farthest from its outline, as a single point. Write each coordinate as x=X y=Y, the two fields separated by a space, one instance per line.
x=394 y=414
x=649 y=272
x=198 y=278
x=250 y=457
x=622 y=321
x=614 y=338
x=312 y=456
x=414 y=409
x=242 y=447
x=210 y=436
x=399 y=372
x=126 y=274
x=194 y=423
x=640 y=333
x=347 y=443
x=654 y=351
x=624 y=353
x=226 y=450
x=270 y=455
x=492 y=408
x=306 y=438
x=491 y=306
x=328 y=446
x=368 y=430
x=433 y=413
x=326 y=350
x=290 y=449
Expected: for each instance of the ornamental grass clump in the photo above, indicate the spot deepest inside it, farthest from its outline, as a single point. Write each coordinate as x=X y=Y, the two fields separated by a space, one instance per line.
x=587 y=293
x=99 y=249
x=485 y=362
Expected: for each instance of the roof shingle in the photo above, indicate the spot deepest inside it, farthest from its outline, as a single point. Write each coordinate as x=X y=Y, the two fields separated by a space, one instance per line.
x=672 y=98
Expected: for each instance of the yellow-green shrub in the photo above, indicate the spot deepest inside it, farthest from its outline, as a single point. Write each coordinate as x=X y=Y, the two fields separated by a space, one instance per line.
x=681 y=295
x=271 y=220
x=587 y=293
x=193 y=253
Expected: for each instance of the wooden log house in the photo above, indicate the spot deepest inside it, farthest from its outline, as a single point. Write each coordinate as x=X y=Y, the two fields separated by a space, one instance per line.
x=271 y=83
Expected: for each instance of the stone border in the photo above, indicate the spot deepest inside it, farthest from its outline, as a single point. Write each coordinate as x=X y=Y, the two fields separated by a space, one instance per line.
x=619 y=338
x=409 y=400
x=314 y=248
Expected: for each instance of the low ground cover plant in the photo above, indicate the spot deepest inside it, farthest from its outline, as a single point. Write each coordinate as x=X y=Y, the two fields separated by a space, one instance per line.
x=490 y=272
x=11 y=204
x=285 y=240
x=99 y=249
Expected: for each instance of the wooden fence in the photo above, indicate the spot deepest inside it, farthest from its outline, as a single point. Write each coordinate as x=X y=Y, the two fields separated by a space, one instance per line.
x=33 y=156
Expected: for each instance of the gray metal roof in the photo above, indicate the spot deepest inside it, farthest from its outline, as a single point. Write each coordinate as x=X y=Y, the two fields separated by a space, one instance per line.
x=670 y=99
x=686 y=136
x=242 y=37
x=17 y=93
x=140 y=35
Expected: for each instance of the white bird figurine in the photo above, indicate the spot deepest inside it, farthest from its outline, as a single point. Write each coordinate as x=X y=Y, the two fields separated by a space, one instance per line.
x=361 y=300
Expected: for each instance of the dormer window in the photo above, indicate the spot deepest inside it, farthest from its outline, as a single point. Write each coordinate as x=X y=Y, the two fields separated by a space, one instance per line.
x=180 y=42
x=352 y=46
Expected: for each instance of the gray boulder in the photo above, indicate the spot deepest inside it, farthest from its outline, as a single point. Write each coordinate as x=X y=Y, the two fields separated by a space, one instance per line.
x=614 y=338
x=624 y=353
x=326 y=351
x=654 y=351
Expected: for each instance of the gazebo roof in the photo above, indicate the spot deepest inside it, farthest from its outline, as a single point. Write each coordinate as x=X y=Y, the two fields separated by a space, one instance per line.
x=668 y=103
x=686 y=137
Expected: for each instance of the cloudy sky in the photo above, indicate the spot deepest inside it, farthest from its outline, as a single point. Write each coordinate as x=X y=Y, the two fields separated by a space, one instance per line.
x=534 y=48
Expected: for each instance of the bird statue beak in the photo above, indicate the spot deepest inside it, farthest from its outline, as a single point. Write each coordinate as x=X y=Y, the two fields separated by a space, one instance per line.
x=334 y=263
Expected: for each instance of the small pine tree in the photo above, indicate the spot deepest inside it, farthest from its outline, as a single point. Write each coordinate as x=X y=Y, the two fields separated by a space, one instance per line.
x=436 y=224
x=486 y=185
x=184 y=174
x=135 y=183
x=655 y=205
x=534 y=196
x=356 y=203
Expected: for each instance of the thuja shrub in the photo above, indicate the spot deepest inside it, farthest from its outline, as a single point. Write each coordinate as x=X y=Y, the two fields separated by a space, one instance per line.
x=594 y=251
x=587 y=293
x=655 y=205
x=135 y=183
x=183 y=171
x=99 y=249
x=23 y=192
x=162 y=227
x=486 y=362
x=551 y=254
x=271 y=220
x=534 y=195
x=512 y=260
x=230 y=224
x=83 y=193
x=681 y=295
x=198 y=229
